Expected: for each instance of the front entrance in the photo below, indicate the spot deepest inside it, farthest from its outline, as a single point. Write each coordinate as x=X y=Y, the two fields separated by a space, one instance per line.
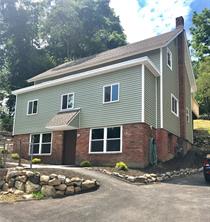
x=69 y=147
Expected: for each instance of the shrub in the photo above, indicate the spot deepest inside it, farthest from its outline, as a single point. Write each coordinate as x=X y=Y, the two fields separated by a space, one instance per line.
x=121 y=166
x=85 y=163
x=15 y=156
x=36 y=160
x=38 y=195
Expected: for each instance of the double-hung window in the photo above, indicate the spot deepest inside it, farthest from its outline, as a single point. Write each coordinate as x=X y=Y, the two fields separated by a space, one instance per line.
x=106 y=140
x=111 y=93
x=40 y=144
x=169 y=58
x=67 y=101
x=174 y=105
x=32 y=107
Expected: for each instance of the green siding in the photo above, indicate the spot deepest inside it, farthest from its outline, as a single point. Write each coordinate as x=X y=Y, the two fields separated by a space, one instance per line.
x=170 y=85
x=189 y=130
x=158 y=102
x=150 y=98
x=88 y=97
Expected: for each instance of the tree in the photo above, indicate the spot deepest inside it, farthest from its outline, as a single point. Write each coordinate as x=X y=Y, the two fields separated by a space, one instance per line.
x=79 y=28
x=201 y=34
x=203 y=85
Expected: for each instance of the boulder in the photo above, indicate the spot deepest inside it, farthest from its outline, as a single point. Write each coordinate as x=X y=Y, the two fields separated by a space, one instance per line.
x=21 y=178
x=29 y=173
x=35 y=178
x=61 y=187
x=18 y=192
x=28 y=197
x=12 y=174
x=5 y=187
x=1 y=183
x=59 y=194
x=19 y=185
x=61 y=178
x=31 y=187
x=53 y=175
x=131 y=178
x=44 y=179
x=76 y=181
x=69 y=190
x=48 y=191
x=140 y=179
x=88 y=185
x=11 y=182
x=68 y=182
x=54 y=182
x=77 y=189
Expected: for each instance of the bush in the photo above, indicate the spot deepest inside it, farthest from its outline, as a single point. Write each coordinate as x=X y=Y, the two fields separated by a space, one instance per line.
x=121 y=166
x=36 y=160
x=38 y=195
x=85 y=163
x=15 y=156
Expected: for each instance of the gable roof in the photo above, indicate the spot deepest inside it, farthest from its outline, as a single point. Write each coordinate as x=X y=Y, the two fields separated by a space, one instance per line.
x=109 y=56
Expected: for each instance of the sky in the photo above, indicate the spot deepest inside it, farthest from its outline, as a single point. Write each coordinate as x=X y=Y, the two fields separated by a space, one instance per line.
x=142 y=19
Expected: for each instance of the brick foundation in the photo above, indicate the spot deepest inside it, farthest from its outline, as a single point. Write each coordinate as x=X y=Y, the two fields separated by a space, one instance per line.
x=57 y=148
x=135 y=150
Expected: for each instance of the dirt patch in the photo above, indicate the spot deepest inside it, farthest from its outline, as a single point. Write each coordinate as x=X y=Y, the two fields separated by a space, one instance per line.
x=10 y=197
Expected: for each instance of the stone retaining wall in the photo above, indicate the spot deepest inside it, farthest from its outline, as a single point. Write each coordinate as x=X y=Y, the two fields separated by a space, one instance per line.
x=21 y=181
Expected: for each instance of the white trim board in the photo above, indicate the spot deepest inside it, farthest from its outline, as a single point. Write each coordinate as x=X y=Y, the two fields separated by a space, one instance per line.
x=95 y=72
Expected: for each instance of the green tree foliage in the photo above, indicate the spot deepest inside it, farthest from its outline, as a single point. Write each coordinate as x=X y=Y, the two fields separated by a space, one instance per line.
x=79 y=28
x=201 y=34
x=203 y=85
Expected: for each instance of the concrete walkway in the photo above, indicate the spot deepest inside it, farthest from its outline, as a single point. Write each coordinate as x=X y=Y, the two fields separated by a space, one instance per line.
x=184 y=200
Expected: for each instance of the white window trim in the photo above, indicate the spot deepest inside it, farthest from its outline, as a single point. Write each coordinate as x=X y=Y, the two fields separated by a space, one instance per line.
x=111 y=93
x=187 y=114
x=171 y=57
x=105 y=140
x=40 y=144
x=31 y=114
x=176 y=114
x=67 y=94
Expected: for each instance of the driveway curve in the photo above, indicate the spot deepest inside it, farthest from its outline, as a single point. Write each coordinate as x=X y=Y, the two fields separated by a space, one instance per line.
x=184 y=199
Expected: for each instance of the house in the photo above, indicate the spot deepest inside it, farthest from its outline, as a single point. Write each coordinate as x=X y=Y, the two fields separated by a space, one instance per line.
x=105 y=108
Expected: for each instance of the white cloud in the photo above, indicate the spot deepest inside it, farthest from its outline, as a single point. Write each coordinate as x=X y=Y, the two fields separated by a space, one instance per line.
x=157 y=16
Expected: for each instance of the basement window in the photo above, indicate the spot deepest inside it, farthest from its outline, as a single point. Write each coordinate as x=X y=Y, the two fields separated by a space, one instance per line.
x=40 y=144
x=169 y=58
x=106 y=140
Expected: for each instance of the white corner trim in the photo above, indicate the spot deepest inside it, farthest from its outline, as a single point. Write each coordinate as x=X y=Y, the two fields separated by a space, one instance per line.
x=95 y=72
x=143 y=94
x=14 y=118
x=161 y=87
x=156 y=99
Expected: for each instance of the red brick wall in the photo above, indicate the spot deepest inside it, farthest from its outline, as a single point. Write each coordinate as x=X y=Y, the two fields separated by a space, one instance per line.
x=134 y=150
x=57 y=148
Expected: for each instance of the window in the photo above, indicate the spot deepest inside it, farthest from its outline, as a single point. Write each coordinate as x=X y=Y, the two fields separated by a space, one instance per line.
x=40 y=144
x=174 y=105
x=169 y=58
x=67 y=101
x=106 y=140
x=187 y=115
x=111 y=93
x=32 y=107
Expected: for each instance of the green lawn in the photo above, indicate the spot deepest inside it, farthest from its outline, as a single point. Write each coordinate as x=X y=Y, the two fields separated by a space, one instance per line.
x=200 y=124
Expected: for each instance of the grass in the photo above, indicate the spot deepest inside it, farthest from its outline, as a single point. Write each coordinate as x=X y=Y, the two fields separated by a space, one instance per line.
x=38 y=195
x=200 y=124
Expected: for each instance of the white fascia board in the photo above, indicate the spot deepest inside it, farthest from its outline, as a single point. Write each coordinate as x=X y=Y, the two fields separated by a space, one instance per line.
x=95 y=72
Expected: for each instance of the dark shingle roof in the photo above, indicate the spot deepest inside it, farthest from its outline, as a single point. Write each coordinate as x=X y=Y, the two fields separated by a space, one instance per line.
x=109 y=56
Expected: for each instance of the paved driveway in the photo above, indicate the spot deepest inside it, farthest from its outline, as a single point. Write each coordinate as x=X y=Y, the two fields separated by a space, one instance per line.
x=186 y=199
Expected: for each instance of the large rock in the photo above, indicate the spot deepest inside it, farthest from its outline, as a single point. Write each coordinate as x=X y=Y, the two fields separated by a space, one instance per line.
x=48 y=191
x=68 y=182
x=59 y=194
x=77 y=189
x=53 y=175
x=140 y=179
x=21 y=178
x=61 y=187
x=69 y=190
x=76 y=181
x=44 y=179
x=11 y=182
x=29 y=173
x=62 y=178
x=31 y=187
x=5 y=187
x=54 y=182
x=35 y=178
x=12 y=174
x=19 y=185
x=88 y=185
x=1 y=183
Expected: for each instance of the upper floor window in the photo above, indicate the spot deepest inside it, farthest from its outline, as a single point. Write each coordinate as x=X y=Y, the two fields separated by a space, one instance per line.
x=32 y=107
x=187 y=115
x=111 y=93
x=106 y=140
x=174 y=105
x=67 y=101
x=169 y=58
x=40 y=144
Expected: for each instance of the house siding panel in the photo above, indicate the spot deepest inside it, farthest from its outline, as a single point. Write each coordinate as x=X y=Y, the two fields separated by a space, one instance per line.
x=88 y=97
x=150 y=98
x=170 y=85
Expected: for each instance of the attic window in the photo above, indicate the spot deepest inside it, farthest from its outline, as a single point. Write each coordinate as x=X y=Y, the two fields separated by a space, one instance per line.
x=169 y=58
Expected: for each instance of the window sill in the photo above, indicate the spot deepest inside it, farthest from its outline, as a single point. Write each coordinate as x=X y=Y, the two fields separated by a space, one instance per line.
x=114 y=152
x=170 y=67
x=175 y=114
x=111 y=102
x=44 y=154
x=33 y=114
x=68 y=110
